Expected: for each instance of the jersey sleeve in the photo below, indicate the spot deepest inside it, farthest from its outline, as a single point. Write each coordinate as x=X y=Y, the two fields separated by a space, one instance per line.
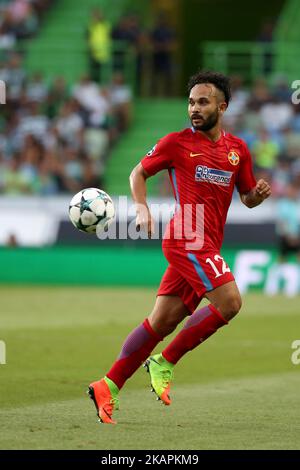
x=245 y=180
x=161 y=156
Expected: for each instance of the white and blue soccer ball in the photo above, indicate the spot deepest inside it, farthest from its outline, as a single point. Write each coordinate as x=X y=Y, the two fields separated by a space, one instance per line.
x=91 y=210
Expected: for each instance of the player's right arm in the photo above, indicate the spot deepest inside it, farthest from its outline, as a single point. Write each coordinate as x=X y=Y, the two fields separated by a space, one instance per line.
x=144 y=220
x=159 y=158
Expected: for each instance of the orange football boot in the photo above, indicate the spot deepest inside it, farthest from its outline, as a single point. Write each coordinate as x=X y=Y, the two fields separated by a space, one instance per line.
x=104 y=401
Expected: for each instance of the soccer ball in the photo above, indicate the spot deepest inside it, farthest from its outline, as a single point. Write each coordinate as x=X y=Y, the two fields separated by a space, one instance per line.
x=91 y=210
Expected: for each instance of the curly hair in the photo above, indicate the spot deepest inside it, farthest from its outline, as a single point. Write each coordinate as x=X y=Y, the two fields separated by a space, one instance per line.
x=220 y=81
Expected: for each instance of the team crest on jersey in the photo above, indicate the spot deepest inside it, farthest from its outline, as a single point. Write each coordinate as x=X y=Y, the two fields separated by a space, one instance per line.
x=213 y=175
x=233 y=157
x=151 y=151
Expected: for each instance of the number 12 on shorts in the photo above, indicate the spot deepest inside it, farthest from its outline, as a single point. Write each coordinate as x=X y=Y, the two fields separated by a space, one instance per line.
x=224 y=267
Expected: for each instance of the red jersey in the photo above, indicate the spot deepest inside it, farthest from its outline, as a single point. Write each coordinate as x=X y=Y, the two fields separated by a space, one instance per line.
x=203 y=172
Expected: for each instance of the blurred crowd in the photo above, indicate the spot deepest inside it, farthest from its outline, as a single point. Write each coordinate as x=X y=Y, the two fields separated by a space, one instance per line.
x=20 y=19
x=265 y=117
x=56 y=138
x=152 y=48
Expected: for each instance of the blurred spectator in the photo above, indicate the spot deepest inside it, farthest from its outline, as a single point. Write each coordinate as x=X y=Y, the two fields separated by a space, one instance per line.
x=48 y=176
x=15 y=181
x=19 y=10
x=281 y=177
x=266 y=33
x=14 y=76
x=37 y=89
x=12 y=241
x=276 y=115
x=266 y=37
x=281 y=89
x=238 y=103
x=99 y=44
x=58 y=93
x=131 y=30
x=72 y=169
x=121 y=33
x=265 y=151
x=163 y=41
x=20 y=19
x=259 y=95
x=295 y=124
x=85 y=91
x=92 y=176
x=96 y=145
x=128 y=34
x=33 y=122
x=283 y=274
x=288 y=223
x=99 y=110
x=7 y=31
x=94 y=103
x=69 y=125
x=120 y=97
x=292 y=144
x=24 y=18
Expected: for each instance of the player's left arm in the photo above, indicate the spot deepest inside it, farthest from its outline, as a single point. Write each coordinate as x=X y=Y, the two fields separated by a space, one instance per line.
x=252 y=192
x=257 y=194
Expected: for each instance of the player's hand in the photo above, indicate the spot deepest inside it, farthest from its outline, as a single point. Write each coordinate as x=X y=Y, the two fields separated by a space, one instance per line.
x=144 y=220
x=263 y=189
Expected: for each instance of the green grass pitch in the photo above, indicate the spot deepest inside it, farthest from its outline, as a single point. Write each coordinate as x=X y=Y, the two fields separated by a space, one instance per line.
x=238 y=390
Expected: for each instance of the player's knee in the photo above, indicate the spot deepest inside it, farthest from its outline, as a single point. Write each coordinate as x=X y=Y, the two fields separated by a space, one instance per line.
x=171 y=321
x=232 y=307
x=164 y=321
x=163 y=326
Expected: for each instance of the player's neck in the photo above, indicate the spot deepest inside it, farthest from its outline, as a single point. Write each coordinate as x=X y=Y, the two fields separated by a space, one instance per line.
x=213 y=134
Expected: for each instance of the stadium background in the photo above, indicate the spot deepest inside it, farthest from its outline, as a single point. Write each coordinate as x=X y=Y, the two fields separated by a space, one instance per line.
x=83 y=105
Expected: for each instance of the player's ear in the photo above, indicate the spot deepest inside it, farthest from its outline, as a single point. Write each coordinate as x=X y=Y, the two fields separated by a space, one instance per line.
x=222 y=107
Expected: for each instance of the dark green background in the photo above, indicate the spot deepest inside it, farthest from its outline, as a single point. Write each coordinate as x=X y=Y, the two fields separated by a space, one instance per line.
x=218 y=20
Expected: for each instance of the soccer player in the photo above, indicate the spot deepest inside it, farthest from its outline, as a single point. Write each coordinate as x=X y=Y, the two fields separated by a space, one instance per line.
x=204 y=164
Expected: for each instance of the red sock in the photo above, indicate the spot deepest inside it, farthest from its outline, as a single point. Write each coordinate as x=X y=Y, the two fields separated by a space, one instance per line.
x=201 y=324
x=137 y=347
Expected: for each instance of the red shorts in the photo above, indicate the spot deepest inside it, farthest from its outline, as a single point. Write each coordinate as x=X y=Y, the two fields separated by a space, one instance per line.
x=192 y=274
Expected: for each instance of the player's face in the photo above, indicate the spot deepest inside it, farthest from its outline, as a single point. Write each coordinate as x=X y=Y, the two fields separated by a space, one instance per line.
x=205 y=106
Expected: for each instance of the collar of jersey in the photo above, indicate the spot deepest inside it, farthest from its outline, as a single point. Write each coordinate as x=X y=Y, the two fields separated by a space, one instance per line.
x=203 y=136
